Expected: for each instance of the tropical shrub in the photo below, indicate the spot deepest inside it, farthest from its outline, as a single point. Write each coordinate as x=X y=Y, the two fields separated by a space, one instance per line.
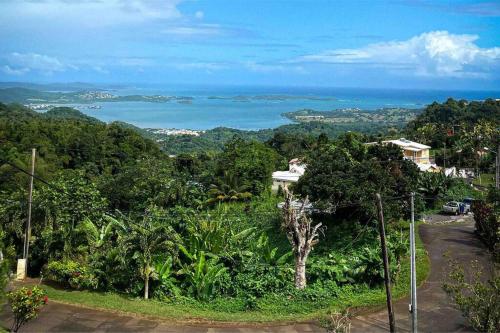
x=203 y=277
x=167 y=283
x=26 y=303
x=432 y=186
x=487 y=218
x=70 y=274
x=338 y=322
x=259 y=279
x=478 y=301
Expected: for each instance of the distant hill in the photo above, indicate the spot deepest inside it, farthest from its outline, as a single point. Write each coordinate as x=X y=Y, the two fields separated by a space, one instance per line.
x=23 y=95
x=69 y=113
x=33 y=96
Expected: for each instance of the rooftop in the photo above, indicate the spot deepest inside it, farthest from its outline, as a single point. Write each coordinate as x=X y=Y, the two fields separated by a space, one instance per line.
x=407 y=144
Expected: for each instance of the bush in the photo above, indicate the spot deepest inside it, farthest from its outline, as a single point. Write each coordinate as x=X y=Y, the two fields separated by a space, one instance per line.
x=26 y=304
x=257 y=280
x=479 y=302
x=487 y=217
x=70 y=274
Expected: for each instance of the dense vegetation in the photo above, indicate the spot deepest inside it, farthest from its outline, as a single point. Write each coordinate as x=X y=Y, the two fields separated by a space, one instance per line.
x=115 y=213
x=460 y=131
x=215 y=139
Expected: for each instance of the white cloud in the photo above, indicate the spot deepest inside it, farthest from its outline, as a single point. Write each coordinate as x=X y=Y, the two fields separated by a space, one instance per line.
x=270 y=68
x=199 y=14
x=21 y=63
x=194 y=30
x=94 y=13
x=436 y=53
x=207 y=66
x=11 y=71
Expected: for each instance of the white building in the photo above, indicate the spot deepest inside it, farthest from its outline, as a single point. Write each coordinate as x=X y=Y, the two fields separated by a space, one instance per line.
x=416 y=152
x=284 y=178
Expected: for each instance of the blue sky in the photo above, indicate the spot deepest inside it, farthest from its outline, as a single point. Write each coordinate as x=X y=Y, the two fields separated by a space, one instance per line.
x=399 y=44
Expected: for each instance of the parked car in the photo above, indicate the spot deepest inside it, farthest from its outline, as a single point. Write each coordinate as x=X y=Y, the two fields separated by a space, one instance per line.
x=452 y=207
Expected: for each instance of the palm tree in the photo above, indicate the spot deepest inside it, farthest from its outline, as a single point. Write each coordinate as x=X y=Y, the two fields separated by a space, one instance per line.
x=225 y=193
x=145 y=237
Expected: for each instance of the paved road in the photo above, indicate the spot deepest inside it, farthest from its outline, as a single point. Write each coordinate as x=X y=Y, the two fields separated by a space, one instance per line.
x=435 y=313
x=57 y=317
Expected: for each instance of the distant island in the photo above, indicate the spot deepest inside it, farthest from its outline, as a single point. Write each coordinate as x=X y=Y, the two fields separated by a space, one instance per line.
x=388 y=116
x=244 y=98
x=35 y=98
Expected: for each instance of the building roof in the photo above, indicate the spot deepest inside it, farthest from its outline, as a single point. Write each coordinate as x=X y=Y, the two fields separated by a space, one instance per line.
x=286 y=176
x=297 y=204
x=295 y=161
x=407 y=144
x=427 y=166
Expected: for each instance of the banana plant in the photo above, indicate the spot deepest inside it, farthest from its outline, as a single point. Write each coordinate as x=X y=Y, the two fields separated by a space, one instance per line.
x=202 y=276
x=268 y=254
x=212 y=236
x=164 y=271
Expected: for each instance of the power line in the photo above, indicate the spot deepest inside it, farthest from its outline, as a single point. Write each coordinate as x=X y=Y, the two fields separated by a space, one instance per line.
x=40 y=179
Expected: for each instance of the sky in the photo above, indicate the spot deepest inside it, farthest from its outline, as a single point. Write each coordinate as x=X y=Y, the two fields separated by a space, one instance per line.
x=407 y=44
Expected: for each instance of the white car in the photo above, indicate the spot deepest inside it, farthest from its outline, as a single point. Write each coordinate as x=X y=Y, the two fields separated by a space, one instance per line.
x=452 y=207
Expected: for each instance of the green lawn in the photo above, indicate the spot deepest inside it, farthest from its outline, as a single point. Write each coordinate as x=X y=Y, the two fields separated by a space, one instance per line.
x=271 y=309
x=485 y=179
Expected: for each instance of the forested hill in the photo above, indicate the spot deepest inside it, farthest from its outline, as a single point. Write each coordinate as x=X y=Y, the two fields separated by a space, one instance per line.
x=453 y=112
x=66 y=138
x=446 y=123
x=459 y=131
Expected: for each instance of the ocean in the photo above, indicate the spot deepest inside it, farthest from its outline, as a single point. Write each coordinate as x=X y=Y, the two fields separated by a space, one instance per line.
x=253 y=108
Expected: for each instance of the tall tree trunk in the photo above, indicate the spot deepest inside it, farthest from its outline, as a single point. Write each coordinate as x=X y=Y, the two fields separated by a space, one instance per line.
x=146 y=286
x=300 y=271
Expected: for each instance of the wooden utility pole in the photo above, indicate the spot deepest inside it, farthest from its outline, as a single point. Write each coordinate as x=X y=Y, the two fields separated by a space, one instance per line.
x=27 y=234
x=387 y=278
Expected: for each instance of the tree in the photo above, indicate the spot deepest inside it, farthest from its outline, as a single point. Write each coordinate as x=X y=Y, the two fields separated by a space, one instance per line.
x=246 y=166
x=145 y=237
x=62 y=216
x=301 y=234
x=334 y=178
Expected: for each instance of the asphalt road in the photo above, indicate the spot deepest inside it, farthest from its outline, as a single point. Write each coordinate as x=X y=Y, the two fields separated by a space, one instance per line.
x=435 y=312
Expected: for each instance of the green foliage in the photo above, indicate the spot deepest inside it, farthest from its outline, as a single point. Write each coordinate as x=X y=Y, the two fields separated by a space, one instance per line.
x=462 y=128
x=4 y=265
x=26 y=304
x=70 y=274
x=224 y=193
x=168 y=284
x=487 y=218
x=70 y=213
x=246 y=166
x=478 y=301
x=432 y=186
x=144 y=237
x=228 y=255
x=347 y=174
x=203 y=276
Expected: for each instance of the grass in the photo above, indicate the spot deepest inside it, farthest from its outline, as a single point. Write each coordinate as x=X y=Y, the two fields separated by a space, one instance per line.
x=485 y=179
x=271 y=309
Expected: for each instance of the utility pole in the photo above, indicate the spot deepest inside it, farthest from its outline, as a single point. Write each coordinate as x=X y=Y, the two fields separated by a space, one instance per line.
x=497 y=168
x=27 y=234
x=387 y=278
x=444 y=166
x=413 y=305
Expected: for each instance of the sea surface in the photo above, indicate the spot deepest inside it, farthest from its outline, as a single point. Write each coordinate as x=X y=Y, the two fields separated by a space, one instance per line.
x=252 y=108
